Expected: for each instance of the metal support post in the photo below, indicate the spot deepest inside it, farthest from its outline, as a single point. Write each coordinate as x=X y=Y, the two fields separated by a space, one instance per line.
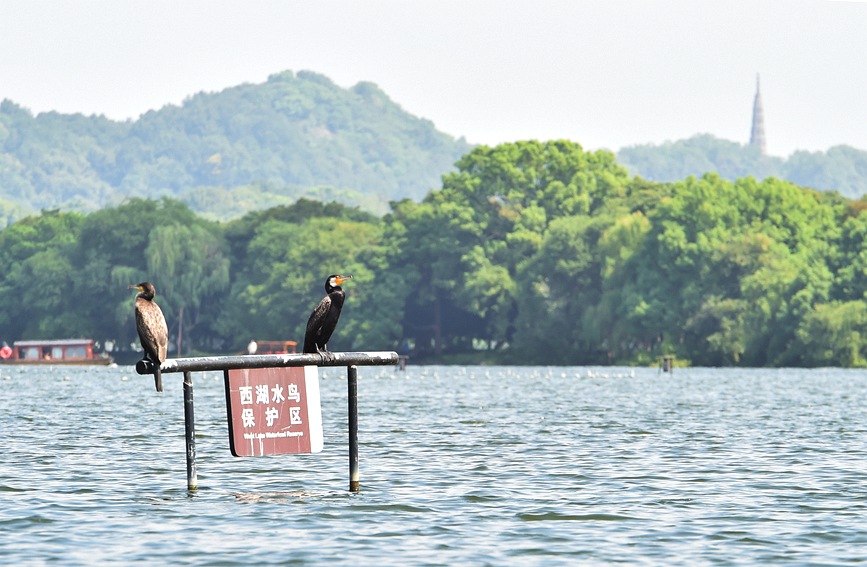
x=190 y=432
x=352 y=381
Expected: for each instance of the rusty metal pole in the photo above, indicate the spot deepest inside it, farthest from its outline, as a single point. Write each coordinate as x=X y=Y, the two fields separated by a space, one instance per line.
x=352 y=381
x=190 y=432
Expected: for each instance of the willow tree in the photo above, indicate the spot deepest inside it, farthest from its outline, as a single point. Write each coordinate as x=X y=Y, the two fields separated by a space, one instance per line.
x=189 y=264
x=110 y=255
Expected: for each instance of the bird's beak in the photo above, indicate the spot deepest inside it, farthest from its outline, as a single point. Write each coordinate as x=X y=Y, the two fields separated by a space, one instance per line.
x=341 y=279
x=138 y=287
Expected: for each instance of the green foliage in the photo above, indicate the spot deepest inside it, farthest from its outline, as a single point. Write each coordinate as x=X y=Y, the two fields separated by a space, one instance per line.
x=110 y=254
x=36 y=273
x=468 y=241
x=833 y=334
x=287 y=267
x=557 y=286
x=193 y=267
x=531 y=253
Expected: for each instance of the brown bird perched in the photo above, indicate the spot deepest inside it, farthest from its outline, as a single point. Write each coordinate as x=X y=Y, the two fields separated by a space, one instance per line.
x=152 y=329
x=323 y=320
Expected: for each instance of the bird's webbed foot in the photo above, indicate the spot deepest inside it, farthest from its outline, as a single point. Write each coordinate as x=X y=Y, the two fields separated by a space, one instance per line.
x=325 y=354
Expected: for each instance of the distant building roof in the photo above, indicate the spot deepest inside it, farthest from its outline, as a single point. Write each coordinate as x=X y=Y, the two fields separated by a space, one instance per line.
x=57 y=342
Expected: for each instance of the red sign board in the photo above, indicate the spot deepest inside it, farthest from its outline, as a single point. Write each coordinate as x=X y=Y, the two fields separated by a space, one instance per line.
x=273 y=411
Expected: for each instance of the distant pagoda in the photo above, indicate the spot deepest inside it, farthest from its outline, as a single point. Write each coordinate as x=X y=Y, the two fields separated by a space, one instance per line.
x=757 y=135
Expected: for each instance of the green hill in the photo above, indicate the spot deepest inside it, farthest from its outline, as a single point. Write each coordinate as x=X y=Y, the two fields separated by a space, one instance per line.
x=256 y=146
x=842 y=168
x=247 y=147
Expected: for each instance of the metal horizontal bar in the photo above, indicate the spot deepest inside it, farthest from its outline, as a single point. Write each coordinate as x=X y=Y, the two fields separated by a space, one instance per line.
x=205 y=363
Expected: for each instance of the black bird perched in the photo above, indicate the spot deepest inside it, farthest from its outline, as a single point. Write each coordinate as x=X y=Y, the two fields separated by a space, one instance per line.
x=323 y=320
x=152 y=329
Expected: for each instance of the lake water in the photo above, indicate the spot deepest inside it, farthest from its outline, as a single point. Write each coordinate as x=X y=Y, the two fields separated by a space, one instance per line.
x=459 y=466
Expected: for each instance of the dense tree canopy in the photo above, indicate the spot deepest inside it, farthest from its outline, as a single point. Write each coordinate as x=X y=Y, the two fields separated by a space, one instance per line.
x=529 y=252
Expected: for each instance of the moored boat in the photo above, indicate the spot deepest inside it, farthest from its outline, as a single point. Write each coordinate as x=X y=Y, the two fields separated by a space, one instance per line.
x=272 y=347
x=62 y=351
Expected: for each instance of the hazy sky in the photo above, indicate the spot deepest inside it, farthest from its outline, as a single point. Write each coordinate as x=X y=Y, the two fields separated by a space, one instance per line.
x=604 y=73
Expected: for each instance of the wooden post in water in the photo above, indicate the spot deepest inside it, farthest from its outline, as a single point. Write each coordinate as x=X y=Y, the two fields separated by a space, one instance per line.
x=190 y=432
x=352 y=381
x=667 y=363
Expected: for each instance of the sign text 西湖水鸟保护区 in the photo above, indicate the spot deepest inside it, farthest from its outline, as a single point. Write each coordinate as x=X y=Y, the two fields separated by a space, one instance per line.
x=274 y=411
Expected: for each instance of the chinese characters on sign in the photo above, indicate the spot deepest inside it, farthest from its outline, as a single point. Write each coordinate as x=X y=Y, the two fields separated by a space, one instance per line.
x=273 y=411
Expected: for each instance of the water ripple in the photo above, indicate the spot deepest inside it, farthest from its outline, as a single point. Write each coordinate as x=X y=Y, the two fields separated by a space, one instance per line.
x=459 y=465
